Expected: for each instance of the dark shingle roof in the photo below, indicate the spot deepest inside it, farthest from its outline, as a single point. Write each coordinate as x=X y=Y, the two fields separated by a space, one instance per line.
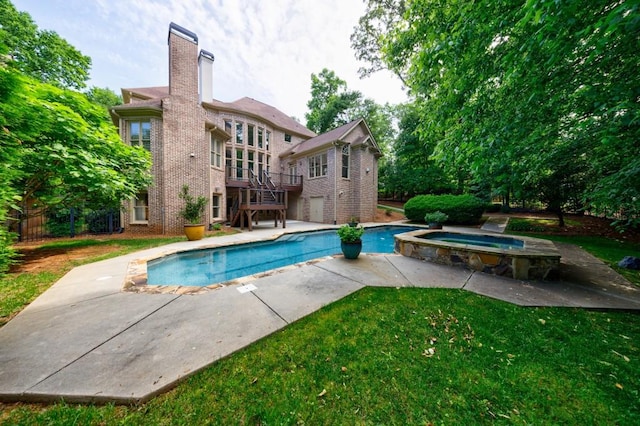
x=323 y=139
x=244 y=105
x=267 y=112
x=145 y=93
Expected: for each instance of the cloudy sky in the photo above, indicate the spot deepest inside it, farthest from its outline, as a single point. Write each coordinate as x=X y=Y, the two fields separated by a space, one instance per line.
x=264 y=49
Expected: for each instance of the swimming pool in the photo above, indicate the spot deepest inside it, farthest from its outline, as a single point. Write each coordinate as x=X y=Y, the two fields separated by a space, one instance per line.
x=205 y=267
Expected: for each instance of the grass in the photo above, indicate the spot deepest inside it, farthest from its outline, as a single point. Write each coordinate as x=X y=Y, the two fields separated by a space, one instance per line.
x=390 y=208
x=406 y=356
x=402 y=356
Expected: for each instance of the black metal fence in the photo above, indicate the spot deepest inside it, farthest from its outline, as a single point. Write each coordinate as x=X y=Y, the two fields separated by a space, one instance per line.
x=36 y=223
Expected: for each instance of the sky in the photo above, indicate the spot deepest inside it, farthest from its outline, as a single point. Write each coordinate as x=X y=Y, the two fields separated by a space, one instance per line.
x=264 y=49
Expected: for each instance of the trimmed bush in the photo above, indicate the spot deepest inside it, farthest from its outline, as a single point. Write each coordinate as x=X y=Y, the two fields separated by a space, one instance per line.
x=461 y=209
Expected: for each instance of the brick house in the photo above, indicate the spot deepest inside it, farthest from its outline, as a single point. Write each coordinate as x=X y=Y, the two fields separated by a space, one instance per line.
x=247 y=158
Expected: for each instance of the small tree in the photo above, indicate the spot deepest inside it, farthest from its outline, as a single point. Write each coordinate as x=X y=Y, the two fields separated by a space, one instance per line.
x=193 y=207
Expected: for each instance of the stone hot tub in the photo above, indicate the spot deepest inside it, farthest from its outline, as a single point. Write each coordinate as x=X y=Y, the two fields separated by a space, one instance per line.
x=522 y=258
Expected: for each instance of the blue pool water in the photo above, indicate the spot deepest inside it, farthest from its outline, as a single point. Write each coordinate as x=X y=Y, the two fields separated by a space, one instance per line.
x=476 y=240
x=210 y=266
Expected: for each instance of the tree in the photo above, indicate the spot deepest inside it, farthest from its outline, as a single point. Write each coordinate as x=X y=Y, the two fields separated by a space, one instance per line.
x=527 y=95
x=9 y=151
x=412 y=169
x=380 y=17
x=42 y=54
x=331 y=104
x=103 y=97
x=69 y=151
x=57 y=147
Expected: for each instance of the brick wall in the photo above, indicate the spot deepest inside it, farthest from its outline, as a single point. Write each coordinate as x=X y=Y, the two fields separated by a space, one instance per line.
x=185 y=153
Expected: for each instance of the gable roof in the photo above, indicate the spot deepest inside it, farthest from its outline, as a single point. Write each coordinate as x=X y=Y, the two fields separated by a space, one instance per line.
x=332 y=136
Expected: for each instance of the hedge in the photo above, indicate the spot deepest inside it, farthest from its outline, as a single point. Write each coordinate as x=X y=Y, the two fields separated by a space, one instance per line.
x=461 y=209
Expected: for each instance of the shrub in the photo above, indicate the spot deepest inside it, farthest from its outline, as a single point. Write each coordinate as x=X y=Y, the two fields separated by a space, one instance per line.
x=350 y=234
x=493 y=208
x=193 y=207
x=436 y=217
x=461 y=209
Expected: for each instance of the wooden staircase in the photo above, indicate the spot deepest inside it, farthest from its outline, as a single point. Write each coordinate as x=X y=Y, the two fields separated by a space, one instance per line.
x=260 y=195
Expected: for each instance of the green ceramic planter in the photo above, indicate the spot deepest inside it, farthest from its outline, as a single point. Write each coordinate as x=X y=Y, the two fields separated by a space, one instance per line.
x=351 y=250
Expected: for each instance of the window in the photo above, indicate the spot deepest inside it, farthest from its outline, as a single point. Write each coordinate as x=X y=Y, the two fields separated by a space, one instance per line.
x=215 y=206
x=267 y=141
x=141 y=208
x=346 y=151
x=250 y=161
x=216 y=152
x=250 y=140
x=260 y=131
x=227 y=126
x=239 y=133
x=318 y=165
x=293 y=174
x=228 y=162
x=287 y=137
x=268 y=162
x=260 y=164
x=140 y=134
x=239 y=163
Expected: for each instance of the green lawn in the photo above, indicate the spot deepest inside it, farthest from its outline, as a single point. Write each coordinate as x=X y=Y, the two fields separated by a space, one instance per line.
x=404 y=356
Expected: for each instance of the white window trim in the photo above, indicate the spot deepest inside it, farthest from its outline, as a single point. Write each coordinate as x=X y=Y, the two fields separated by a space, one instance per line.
x=348 y=155
x=324 y=167
x=134 y=208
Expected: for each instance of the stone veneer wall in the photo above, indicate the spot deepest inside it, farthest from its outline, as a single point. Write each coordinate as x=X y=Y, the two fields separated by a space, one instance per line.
x=525 y=267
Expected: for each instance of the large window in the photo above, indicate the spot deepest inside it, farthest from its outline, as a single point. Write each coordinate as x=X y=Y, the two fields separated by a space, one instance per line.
x=140 y=213
x=251 y=161
x=140 y=134
x=215 y=206
x=345 y=161
x=250 y=135
x=260 y=164
x=239 y=163
x=318 y=165
x=239 y=133
x=260 y=131
x=216 y=151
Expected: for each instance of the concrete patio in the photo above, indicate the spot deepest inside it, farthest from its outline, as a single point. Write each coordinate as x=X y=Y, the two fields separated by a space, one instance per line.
x=86 y=340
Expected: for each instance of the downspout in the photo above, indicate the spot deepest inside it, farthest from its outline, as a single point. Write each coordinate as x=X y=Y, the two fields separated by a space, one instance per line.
x=335 y=184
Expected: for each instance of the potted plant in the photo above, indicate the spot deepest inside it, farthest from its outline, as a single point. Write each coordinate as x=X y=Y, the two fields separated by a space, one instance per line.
x=435 y=219
x=350 y=240
x=192 y=212
x=353 y=221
